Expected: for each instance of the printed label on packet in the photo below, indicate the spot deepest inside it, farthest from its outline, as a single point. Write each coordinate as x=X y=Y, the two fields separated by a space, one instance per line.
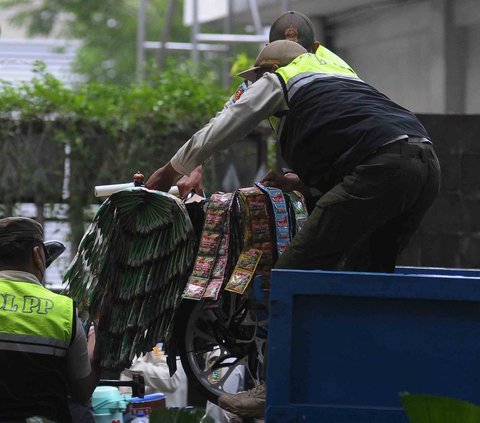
x=195 y=288
x=299 y=209
x=260 y=230
x=282 y=223
x=219 y=268
x=244 y=271
x=248 y=260
x=223 y=248
x=256 y=202
x=283 y=233
x=203 y=266
x=214 y=220
x=213 y=289
x=209 y=243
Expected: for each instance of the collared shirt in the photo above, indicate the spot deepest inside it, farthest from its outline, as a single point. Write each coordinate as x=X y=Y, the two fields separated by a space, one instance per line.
x=18 y=275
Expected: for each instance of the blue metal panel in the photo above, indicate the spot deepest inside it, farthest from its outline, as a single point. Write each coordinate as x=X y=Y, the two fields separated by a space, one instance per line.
x=342 y=345
x=437 y=271
x=319 y=414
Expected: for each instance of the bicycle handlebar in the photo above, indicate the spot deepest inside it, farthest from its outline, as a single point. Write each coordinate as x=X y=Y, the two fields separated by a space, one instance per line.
x=106 y=190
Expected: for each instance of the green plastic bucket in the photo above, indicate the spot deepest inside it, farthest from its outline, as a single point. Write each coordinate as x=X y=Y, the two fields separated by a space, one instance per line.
x=108 y=404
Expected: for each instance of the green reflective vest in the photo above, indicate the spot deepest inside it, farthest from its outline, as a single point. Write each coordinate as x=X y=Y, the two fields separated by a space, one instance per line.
x=34 y=319
x=335 y=120
x=333 y=61
x=322 y=62
x=313 y=64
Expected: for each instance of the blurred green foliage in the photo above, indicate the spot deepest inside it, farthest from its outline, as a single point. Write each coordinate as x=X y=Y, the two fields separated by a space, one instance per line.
x=111 y=131
x=108 y=33
x=111 y=125
x=425 y=408
x=107 y=29
x=172 y=415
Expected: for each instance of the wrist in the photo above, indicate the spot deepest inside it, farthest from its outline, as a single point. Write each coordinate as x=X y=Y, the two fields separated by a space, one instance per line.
x=293 y=182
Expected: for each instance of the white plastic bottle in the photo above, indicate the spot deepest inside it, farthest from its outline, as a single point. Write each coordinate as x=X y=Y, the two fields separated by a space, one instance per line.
x=140 y=418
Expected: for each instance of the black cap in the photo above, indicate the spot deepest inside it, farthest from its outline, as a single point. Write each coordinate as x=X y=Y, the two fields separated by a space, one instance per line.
x=20 y=229
x=26 y=229
x=293 y=26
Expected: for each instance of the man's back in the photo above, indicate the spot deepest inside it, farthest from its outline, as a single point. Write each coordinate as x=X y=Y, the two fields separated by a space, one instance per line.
x=335 y=120
x=43 y=347
x=35 y=334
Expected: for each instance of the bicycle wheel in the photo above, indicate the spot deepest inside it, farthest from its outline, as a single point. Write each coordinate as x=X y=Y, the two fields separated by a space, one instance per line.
x=220 y=346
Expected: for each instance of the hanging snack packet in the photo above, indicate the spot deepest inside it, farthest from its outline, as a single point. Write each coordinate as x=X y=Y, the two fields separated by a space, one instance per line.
x=211 y=261
x=244 y=270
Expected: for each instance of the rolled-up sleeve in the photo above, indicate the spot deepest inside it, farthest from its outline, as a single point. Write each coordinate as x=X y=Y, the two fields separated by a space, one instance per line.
x=261 y=100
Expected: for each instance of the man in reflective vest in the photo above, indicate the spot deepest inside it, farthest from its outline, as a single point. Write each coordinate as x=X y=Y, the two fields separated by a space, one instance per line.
x=372 y=159
x=297 y=27
x=43 y=347
x=292 y=26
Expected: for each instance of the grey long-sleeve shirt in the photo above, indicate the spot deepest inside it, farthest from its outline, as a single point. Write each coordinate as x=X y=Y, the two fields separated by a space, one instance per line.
x=261 y=100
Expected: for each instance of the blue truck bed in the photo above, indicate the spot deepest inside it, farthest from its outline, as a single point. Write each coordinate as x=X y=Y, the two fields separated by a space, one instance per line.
x=343 y=345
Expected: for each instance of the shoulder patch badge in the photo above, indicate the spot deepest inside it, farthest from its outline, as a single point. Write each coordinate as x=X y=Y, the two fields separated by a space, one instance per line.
x=237 y=94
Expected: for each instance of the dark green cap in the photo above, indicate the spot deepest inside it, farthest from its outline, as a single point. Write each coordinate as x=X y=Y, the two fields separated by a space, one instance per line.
x=293 y=26
x=20 y=229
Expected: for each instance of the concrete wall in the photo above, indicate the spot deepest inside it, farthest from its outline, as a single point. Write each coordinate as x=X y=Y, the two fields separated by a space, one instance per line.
x=450 y=233
x=472 y=79
x=423 y=54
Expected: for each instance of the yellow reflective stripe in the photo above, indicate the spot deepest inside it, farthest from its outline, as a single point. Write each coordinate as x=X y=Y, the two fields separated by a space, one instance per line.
x=30 y=309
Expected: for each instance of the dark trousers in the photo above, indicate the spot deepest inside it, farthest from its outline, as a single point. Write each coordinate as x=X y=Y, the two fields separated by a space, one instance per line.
x=364 y=221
